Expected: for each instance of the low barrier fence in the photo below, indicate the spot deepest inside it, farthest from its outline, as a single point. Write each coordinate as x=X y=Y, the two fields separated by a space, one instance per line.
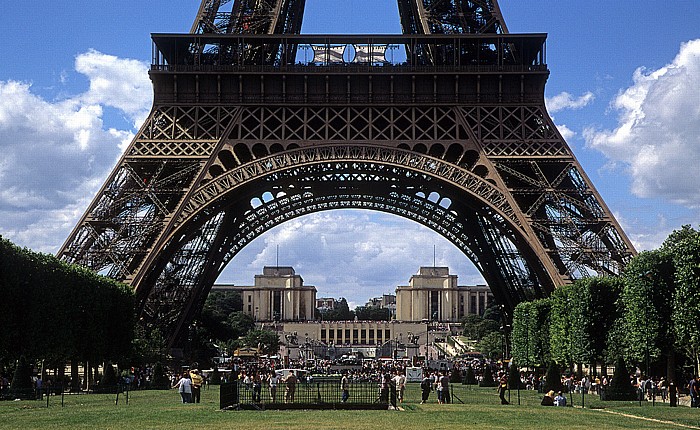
x=319 y=394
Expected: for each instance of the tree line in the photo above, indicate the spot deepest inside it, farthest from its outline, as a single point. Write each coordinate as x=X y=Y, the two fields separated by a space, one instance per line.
x=649 y=316
x=57 y=312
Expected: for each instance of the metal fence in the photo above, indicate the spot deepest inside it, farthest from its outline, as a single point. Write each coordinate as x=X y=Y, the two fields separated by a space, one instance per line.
x=316 y=394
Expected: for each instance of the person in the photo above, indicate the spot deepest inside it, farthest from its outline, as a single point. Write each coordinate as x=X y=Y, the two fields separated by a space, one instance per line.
x=291 y=382
x=502 y=387
x=693 y=391
x=392 y=391
x=257 y=387
x=197 y=381
x=184 y=386
x=345 y=387
x=548 y=399
x=425 y=386
x=560 y=400
x=272 y=382
x=400 y=380
x=444 y=382
x=384 y=388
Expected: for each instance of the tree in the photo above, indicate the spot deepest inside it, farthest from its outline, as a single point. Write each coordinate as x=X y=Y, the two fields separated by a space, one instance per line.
x=476 y=327
x=530 y=336
x=684 y=247
x=241 y=324
x=266 y=340
x=491 y=346
x=582 y=315
x=648 y=299
x=341 y=312
x=224 y=302
x=91 y=317
x=372 y=313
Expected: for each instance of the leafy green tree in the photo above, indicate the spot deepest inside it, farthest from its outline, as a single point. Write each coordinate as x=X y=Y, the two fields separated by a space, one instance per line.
x=372 y=313
x=476 y=327
x=224 y=302
x=341 y=312
x=240 y=323
x=491 y=346
x=268 y=341
x=684 y=247
x=530 y=337
x=648 y=297
x=582 y=315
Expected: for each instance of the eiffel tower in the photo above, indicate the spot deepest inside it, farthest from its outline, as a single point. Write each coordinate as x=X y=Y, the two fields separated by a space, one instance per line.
x=254 y=124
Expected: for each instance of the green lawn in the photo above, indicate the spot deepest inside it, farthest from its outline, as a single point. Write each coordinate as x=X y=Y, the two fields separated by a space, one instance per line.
x=162 y=409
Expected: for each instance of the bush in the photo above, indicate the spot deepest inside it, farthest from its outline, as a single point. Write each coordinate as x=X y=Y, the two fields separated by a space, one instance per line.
x=487 y=380
x=620 y=387
x=514 y=382
x=160 y=381
x=470 y=378
x=215 y=377
x=22 y=386
x=109 y=379
x=553 y=378
x=455 y=376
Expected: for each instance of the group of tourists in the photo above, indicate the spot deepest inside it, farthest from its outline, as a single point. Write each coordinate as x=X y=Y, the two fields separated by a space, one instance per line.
x=190 y=386
x=438 y=382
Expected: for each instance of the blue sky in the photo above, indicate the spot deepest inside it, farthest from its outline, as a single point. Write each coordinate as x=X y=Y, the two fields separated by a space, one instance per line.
x=624 y=89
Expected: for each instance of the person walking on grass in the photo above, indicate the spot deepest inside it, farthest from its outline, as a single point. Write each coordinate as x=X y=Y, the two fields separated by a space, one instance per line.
x=184 y=386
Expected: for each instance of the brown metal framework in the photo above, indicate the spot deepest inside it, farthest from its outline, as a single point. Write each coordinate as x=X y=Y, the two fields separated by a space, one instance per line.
x=247 y=132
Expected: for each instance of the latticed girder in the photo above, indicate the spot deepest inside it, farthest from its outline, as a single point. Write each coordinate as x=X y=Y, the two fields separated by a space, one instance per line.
x=249 y=17
x=451 y=16
x=483 y=237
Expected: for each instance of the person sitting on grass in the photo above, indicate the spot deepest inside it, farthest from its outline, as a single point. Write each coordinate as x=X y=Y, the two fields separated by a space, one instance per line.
x=560 y=400
x=548 y=399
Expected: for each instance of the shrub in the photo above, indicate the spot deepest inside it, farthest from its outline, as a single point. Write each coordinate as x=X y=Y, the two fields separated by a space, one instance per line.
x=470 y=378
x=160 y=381
x=22 y=386
x=487 y=380
x=553 y=378
x=620 y=387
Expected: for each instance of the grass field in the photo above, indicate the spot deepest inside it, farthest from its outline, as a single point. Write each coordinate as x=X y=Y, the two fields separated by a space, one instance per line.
x=163 y=410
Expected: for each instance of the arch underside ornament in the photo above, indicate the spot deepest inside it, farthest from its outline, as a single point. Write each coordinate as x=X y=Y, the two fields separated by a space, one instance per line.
x=182 y=202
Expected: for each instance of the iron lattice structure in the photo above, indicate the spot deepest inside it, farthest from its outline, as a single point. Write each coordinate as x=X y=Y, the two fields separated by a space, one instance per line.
x=254 y=125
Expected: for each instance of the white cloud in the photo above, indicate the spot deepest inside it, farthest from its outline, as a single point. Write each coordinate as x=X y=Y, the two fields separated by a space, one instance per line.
x=658 y=134
x=565 y=100
x=57 y=153
x=350 y=253
x=566 y=132
x=116 y=82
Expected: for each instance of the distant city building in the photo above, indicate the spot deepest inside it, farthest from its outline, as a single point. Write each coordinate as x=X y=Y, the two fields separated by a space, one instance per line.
x=279 y=294
x=386 y=301
x=434 y=295
x=325 y=304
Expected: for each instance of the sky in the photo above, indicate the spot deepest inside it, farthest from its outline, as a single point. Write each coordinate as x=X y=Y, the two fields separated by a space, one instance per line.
x=624 y=90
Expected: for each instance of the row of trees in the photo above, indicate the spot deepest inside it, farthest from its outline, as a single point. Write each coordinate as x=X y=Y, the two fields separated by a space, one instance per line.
x=342 y=312
x=650 y=315
x=58 y=312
